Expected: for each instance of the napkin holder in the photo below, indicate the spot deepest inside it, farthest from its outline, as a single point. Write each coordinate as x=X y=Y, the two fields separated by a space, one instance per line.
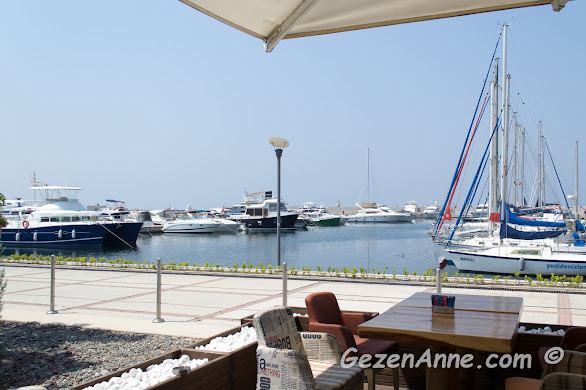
x=442 y=309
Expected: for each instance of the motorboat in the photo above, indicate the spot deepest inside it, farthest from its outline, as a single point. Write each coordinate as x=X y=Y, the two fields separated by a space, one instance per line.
x=431 y=211
x=261 y=213
x=62 y=221
x=310 y=215
x=188 y=222
x=148 y=225
x=412 y=208
x=321 y=217
x=371 y=212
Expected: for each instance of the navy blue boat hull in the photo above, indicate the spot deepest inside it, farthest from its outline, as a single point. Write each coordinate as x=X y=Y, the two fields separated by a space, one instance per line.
x=121 y=234
x=84 y=236
x=270 y=224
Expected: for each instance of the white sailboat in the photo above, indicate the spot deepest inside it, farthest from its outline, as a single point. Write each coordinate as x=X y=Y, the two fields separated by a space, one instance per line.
x=514 y=244
x=372 y=212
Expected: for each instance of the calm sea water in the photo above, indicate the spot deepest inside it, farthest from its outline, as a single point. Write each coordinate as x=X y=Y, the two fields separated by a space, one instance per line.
x=355 y=245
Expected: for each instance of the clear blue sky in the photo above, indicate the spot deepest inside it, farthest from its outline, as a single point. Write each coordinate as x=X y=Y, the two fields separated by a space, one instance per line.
x=157 y=104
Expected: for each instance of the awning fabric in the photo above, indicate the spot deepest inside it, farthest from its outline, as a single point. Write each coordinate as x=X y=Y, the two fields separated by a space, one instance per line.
x=273 y=20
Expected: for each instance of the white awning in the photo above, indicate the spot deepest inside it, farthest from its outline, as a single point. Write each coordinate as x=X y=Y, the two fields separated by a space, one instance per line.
x=273 y=20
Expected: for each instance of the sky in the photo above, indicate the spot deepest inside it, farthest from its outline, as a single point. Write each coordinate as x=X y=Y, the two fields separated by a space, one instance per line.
x=156 y=104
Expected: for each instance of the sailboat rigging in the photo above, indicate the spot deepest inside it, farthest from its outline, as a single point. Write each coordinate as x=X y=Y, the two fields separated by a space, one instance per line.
x=508 y=243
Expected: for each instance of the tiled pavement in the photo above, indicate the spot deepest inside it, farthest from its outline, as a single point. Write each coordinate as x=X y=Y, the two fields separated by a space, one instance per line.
x=204 y=305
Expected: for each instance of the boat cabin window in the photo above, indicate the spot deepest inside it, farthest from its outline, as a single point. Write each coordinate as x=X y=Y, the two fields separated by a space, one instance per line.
x=44 y=219
x=65 y=219
x=74 y=219
x=273 y=207
x=94 y=217
x=255 y=212
x=54 y=219
x=85 y=218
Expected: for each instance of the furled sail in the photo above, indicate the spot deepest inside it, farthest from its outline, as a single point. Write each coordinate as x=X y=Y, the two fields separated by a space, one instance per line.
x=514 y=219
x=509 y=232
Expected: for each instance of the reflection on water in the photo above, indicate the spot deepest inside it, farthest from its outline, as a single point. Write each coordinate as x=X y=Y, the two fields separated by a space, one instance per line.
x=395 y=246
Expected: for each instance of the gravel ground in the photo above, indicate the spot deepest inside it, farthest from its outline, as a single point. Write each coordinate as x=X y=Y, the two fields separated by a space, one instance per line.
x=58 y=356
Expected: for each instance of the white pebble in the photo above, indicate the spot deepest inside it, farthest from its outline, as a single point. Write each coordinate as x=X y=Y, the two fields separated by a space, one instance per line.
x=154 y=374
x=231 y=342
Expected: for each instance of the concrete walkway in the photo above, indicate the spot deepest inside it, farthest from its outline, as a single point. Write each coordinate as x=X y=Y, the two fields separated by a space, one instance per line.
x=204 y=305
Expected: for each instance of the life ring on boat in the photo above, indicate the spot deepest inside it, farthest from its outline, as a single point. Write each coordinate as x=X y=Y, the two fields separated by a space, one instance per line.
x=25 y=224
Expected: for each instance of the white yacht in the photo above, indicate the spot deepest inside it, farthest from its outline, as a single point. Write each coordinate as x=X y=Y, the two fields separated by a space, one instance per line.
x=371 y=212
x=64 y=221
x=431 y=211
x=261 y=213
x=188 y=222
x=412 y=208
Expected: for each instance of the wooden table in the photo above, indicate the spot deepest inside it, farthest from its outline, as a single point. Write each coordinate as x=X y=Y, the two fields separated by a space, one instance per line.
x=479 y=323
x=497 y=304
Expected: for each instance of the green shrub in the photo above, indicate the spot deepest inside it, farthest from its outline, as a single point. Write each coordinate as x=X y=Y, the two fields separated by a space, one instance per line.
x=3 y=221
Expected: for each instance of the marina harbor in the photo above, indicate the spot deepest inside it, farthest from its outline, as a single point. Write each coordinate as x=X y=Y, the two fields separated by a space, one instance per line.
x=293 y=195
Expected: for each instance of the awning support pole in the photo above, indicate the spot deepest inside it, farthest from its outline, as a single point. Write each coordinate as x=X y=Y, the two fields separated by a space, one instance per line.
x=275 y=37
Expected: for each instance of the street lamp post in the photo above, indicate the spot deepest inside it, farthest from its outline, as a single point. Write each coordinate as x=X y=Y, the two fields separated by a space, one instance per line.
x=279 y=144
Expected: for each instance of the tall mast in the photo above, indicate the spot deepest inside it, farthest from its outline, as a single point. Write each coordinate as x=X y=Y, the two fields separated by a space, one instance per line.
x=539 y=165
x=522 y=168
x=505 y=127
x=542 y=168
x=493 y=204
x=515 y=159
x=368 y=175
x=577 y=202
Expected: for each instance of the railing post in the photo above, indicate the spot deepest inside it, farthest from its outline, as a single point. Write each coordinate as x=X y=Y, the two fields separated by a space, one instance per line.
x=52 y=299
x=438 y=280
x=158 y=319
x=284 y=284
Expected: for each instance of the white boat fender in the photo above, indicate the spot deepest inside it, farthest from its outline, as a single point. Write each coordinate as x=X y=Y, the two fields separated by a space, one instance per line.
x=35 y=236
x=17 y=238
x=60 y=234
x=521 y=264
x=73 y=234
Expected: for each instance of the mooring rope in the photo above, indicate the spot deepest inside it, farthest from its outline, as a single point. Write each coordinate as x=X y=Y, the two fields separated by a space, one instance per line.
x=115 y=235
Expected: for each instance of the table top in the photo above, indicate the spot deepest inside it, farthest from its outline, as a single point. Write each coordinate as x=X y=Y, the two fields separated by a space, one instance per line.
x=492 y=303
x=482 y=323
